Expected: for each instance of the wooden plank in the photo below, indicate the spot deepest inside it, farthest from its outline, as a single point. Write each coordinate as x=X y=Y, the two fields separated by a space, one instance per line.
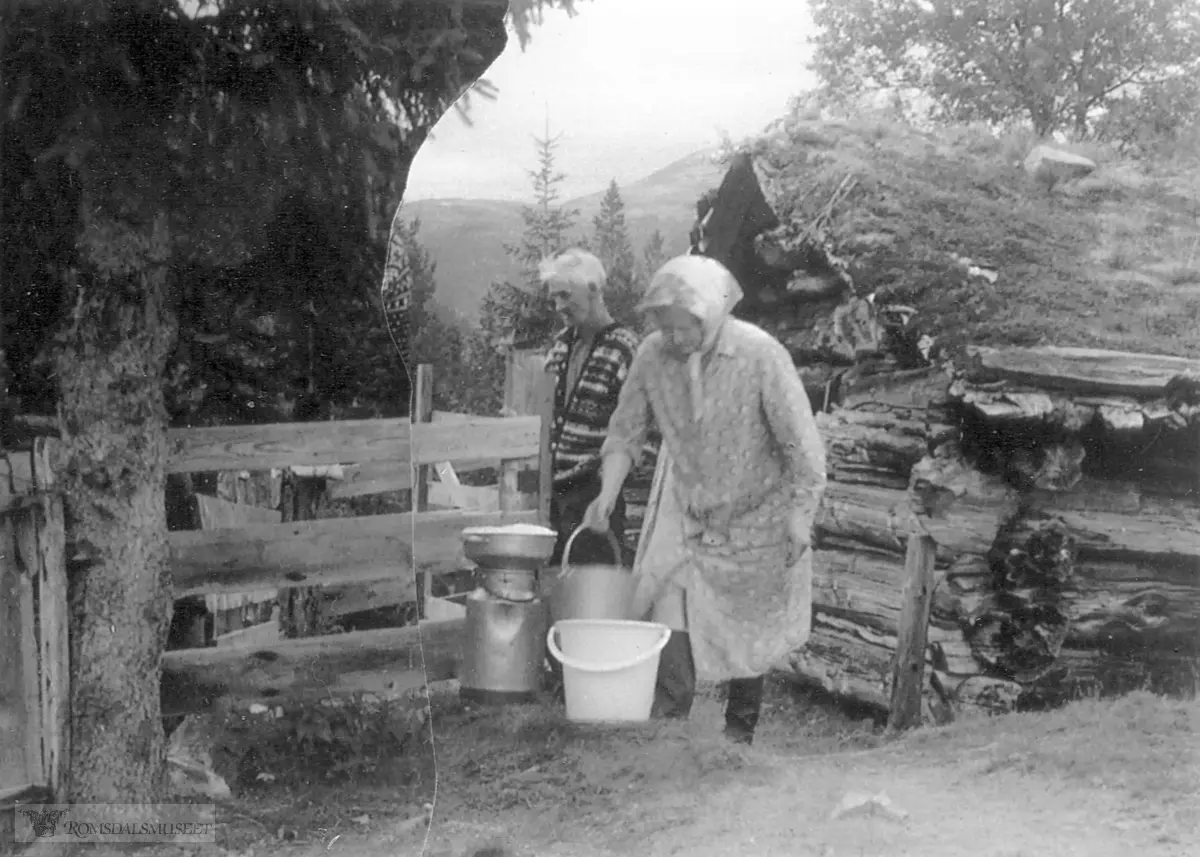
x=455 y=417
x=35 y=767
x=315 y=668
x=20 y=472
x=422 y=412
x=6 y=492
x=342 y=601
x=908 y=673
x=545 y=409
x=468 y=497
x=1086 y=370
x=217 y=514
x=253 y=637
x=20 y=722
x=385 y=477
x=514 y=388
x=53 y=617
x=376 y=477
x=523 y=396
x=443 y=610
x=446 y=474
x=280 y=445
x=480 y=439
x=322 y=552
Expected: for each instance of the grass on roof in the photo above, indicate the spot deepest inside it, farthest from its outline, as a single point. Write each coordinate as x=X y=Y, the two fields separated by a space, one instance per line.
x=1108 y=261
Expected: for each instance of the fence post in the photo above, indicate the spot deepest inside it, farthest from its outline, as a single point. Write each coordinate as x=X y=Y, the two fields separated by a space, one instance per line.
x=19 y=637
x=509 y=486
x=545 y=409
x=422 y=412
x=522 y=396
x=908 y=675
x=50 y=539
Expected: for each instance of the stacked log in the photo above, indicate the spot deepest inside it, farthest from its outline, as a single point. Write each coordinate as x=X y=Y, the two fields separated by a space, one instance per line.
x=1061 y=487
x=1055 y=578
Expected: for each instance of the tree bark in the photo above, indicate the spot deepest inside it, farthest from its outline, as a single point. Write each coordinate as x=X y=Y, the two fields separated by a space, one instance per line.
x=110 y=365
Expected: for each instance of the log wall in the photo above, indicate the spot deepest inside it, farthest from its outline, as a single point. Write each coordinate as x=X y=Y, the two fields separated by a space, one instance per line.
x=1056 y=576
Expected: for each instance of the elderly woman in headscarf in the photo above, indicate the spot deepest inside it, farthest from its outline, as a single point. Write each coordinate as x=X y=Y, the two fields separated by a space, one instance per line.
x=724 y=559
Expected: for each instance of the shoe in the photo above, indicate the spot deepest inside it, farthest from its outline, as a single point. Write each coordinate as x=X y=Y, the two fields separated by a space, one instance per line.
x=743 y=709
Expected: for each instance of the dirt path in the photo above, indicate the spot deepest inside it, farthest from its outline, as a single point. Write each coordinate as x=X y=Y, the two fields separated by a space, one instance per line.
x=785 y=810
x=1017 y=789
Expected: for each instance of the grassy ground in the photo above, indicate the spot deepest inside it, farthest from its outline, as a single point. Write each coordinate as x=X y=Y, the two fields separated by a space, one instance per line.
x=1095 y=778
x=1111 y=260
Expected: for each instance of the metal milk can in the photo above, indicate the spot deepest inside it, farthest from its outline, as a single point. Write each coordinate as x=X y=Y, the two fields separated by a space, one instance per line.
x=506 y=622
x=504 y=650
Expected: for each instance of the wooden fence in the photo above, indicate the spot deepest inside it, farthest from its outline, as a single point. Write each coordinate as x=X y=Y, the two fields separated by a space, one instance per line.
x=33 y=626
x=365 y=456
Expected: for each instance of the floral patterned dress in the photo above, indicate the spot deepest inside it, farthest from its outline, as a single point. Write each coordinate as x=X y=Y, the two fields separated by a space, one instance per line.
x=741 y=465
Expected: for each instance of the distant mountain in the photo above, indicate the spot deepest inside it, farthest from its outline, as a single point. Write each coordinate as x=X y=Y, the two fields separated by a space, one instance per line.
x=466 y=237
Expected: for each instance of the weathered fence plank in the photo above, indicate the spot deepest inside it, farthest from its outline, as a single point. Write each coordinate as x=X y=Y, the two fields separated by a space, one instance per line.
x=322 y=552
x=382 y=477
x=41 y=546
x=384 y=662
x=280 y=445
x=20 y=727
x=422 y=412
x=218 y=514
x=908 y=675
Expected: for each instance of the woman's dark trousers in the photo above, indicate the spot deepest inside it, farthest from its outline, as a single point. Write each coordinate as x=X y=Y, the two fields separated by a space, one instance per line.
x=675 y=691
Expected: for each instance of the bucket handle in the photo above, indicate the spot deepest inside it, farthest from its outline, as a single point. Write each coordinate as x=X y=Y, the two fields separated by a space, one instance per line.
x=612 y=543
x=653 y=651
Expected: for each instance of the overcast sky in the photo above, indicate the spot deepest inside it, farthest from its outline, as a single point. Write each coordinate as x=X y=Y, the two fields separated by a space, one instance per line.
x=631 y=85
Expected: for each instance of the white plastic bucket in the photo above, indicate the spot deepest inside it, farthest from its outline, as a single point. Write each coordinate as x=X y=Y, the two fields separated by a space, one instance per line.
x=609 y=667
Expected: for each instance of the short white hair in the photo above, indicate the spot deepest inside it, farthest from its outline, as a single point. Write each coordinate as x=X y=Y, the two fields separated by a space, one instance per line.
x=576 y=267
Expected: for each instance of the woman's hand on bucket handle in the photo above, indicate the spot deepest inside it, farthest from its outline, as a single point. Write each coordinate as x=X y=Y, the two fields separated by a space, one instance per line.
x=598 y=513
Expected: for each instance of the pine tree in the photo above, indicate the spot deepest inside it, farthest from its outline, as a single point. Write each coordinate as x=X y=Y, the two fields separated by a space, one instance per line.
x=546 y=221
x=613 y=247
x=523 y=312
x=654 y=255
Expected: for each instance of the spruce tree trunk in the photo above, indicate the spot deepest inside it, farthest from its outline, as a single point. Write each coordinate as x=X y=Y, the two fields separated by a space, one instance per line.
x=110 y=365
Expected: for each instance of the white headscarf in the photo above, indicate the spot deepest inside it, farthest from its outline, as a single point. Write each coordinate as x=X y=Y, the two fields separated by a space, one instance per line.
x=705 y=289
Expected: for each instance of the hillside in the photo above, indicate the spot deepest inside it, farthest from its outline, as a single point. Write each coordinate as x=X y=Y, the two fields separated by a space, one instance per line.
x=466 y=237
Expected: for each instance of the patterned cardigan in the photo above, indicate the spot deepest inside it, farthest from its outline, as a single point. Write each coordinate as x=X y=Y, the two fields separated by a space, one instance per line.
x=581 y=416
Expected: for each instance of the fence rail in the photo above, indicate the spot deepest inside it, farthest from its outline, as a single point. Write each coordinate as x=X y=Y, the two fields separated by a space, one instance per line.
x=323 y=552
x=395 y=443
